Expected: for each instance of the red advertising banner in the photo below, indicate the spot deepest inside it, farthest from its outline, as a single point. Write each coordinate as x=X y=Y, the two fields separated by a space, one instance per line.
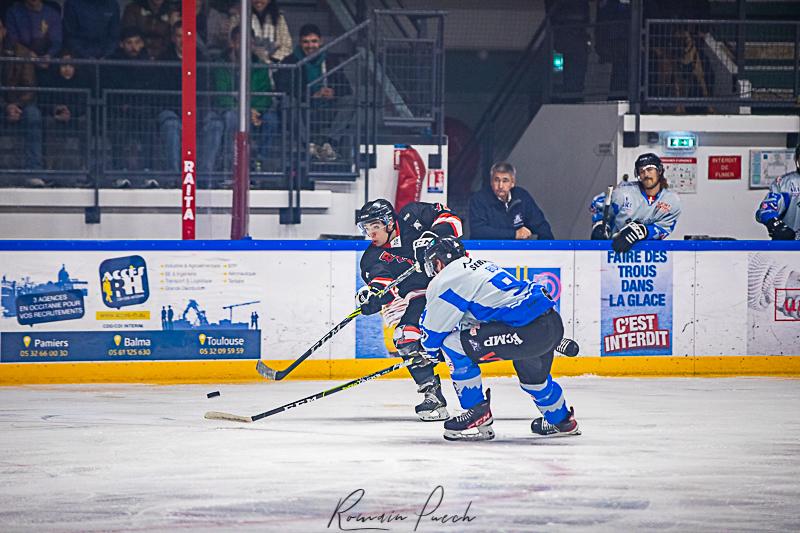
x=724 y=167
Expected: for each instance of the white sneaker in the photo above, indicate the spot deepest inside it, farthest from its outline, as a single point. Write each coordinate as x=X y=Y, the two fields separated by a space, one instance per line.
x=326 y=153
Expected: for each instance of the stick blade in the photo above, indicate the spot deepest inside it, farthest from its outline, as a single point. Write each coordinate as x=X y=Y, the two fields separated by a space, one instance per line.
x=266 y=371
x=217 y=415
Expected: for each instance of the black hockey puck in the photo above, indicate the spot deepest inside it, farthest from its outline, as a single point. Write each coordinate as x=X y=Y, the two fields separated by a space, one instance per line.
x=212 y=394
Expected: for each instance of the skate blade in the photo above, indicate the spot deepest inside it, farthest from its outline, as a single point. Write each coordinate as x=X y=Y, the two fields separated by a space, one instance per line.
x=559 y=434
x=434 y=416
x=472 y=434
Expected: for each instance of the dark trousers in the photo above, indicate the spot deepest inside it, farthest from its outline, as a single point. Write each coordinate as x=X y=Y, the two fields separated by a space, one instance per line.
x=530 y=347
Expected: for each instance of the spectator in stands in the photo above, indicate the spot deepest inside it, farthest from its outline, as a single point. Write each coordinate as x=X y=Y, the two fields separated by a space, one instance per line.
x=34 y=30
x=330 y=103
x=91 y=27
x=154 y=19
x=127 y=113
x=678 y=66
x=65 y=114
x=169 y=121
x=263 y=120
x=501 y=210
x=66 y=106
x=218 y=27
x=19 y=109
x=271 y=38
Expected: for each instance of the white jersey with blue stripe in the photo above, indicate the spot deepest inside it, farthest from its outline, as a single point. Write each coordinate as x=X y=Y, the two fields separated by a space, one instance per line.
x=782 y=201
x=469 y=291
x=659 y=214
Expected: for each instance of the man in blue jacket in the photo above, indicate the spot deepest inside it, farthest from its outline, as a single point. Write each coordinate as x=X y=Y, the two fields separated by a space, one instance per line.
x=503 y=211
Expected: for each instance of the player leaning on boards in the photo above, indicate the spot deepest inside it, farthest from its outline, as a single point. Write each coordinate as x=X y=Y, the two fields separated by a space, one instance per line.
x=477 y=312
x=639 y=210
x=390 y=254
x=780 y=209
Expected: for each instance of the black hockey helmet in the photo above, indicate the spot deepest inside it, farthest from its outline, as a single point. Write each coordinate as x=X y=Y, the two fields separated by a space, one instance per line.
x=445 y=249
x=376 y=210
x=647 y=160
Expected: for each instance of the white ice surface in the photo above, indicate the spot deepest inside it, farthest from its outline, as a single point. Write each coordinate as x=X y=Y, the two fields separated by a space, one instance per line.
x=655 y=454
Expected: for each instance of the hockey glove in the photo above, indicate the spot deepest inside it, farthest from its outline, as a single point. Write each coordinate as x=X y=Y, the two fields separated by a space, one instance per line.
x=420 y=245
x=600 y=231
x=779 y=231
x=367 y=298
x=632 y=233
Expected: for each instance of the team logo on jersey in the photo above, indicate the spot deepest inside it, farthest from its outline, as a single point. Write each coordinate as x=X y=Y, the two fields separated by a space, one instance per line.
x=387 y=257
x=518 y=222
x=505 y=338
x=627 y=205
x=123 y=281
x=664 y=207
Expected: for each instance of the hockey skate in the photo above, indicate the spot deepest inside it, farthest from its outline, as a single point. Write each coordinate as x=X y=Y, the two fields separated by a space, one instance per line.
x=565 y=428
x=433 y=407
x=473 y=424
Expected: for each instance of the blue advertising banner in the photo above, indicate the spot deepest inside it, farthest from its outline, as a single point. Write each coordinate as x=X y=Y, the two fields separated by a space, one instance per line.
x=47 y=347
x=636 y=307
x=49 y=307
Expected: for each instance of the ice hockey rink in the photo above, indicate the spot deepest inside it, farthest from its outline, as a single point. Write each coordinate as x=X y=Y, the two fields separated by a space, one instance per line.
x=678 y=454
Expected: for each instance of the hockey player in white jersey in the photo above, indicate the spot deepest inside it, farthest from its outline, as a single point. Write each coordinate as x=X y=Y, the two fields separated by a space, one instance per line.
x=639 y=210
x=477 y=312
x=780 y=209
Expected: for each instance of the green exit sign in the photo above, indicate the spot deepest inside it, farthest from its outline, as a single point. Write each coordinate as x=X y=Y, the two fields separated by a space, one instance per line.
x=681 y=142
x=558 y=62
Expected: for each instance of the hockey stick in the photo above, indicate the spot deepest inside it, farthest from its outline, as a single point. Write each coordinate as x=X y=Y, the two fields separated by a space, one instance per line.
x=277 y=375
x=567 y=347
x=607 y=212
x=216 y=415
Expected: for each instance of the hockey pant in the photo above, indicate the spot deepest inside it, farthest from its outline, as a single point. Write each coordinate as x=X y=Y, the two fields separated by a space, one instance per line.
x=530 y=347
x=407 y=340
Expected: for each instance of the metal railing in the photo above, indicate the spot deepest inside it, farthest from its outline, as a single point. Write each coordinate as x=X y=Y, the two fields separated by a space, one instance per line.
x=320 y=122
x=704 y=63
x=700 y=66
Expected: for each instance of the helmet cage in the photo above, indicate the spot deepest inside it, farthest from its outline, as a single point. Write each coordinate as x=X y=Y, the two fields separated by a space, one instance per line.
x=386 y=220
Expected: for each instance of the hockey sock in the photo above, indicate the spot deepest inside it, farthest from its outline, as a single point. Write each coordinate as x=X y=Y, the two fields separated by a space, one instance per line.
x=549 y=399
x=466 y=375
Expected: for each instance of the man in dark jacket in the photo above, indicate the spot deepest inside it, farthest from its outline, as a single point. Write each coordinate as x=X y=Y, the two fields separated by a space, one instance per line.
x=503 y=211
x=91 y=27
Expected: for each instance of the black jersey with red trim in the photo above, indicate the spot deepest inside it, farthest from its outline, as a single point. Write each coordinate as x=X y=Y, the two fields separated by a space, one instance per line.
x=382 y=264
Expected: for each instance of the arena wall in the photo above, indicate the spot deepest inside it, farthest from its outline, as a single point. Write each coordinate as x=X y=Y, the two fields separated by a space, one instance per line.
x=91 y=311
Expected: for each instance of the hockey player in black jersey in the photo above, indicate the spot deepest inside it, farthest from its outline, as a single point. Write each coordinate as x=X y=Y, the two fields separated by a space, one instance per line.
x=390 y=254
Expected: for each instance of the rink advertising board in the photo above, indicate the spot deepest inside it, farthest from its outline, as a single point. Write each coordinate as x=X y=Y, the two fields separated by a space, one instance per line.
x=636 y=303
x=681 y=306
